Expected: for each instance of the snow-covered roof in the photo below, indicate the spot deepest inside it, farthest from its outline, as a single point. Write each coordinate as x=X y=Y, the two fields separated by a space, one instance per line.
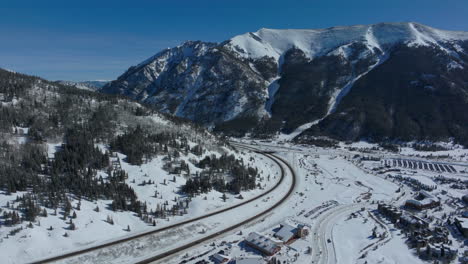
x=412 y=219
x=286 y=232
x=421 y=203
x=425 y=194
x=250 y=260
x=220 y=258
x=266 y=243
x=407 y=218
x=414 y=202
x=463 y=223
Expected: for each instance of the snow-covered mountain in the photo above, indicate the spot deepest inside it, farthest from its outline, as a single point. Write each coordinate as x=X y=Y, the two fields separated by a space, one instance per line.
x=314 y=43
x=273 y=80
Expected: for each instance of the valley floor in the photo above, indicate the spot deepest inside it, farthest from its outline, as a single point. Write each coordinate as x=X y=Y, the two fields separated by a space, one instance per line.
x=51 y=235
x=335 y=198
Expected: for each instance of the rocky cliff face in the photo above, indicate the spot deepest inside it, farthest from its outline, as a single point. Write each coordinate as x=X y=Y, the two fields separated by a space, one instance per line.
x=345 y=81
x=200 y=81
x=418 y=93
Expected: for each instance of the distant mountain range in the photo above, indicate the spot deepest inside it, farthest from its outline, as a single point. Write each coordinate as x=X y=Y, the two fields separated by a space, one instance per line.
x=86 y=85
x=403 y=81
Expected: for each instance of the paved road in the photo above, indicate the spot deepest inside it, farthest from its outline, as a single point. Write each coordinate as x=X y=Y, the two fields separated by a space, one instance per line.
x=322 y=151
x=323 y=252
x=283 y=165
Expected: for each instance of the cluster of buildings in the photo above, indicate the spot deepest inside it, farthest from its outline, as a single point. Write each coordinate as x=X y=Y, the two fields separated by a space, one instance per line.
x=250 y=260
x=221 y=258
x=430 y=242
x=462 y=222
x=423 y=200
x=268 y=245
x=415 y=184
x=265 y=244
x=454 y=183
x=462 y=225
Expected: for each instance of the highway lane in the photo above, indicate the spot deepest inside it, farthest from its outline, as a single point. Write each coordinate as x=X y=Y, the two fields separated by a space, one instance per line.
x=281 y=162
x=323 y=252
x=283 y=165
x=322 y=151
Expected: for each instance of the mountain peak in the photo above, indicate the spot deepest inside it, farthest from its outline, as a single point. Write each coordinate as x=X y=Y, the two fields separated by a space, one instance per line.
x=295 y=77
x=275 y=42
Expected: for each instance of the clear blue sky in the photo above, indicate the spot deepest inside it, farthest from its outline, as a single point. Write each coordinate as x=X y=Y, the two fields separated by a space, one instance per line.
x=88 y=40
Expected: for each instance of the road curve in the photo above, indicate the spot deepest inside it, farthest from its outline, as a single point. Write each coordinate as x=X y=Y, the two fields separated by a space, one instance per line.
x=322 y=250
x=231 y=228
x=322 y=151
x=174 y=251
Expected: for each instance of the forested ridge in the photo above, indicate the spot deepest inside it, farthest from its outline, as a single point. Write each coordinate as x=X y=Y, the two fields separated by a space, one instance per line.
x=90 y=128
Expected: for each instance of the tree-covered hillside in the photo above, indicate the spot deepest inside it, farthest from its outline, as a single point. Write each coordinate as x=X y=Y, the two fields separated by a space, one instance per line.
x=87 y=130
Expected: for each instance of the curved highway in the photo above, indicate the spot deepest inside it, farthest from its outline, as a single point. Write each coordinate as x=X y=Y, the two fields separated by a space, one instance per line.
x=322 y=250
x=279 y=161
x=324 y=151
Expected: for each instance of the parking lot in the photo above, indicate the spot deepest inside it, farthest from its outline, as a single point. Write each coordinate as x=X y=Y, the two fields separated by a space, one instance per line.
x=421 y=165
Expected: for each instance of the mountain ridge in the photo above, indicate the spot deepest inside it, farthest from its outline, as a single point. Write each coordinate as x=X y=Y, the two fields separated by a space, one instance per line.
x=92 y=85
x=281 y=79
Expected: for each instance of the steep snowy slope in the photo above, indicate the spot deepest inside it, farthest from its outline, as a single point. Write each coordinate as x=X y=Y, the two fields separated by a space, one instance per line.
x=277 y=80
x=274 y=43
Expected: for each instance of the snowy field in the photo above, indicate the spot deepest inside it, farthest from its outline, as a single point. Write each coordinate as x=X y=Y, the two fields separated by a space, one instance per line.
x=159 y=243
x=335 y=198
x=92 y=227
x=321 y=179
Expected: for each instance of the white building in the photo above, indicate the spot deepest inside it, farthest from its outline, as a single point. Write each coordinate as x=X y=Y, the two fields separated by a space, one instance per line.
x=250 y=260
x=264 y=244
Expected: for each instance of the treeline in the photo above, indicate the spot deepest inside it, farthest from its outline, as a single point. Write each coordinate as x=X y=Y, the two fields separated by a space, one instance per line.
x=49 y=109
x=224 y=174
x=390 y=147
x=20 y=166
x=75 y=168
x=79 y=169
x=319 y=142
x=429 y=147
x=14 y=85
x=80 y=118
x=141 y=145
x=73 y=171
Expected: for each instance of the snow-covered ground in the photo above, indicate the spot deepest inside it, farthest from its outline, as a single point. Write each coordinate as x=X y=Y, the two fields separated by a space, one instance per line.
x=329 y=180
x=336 y=199
x=155 y=244
x=92 y=227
